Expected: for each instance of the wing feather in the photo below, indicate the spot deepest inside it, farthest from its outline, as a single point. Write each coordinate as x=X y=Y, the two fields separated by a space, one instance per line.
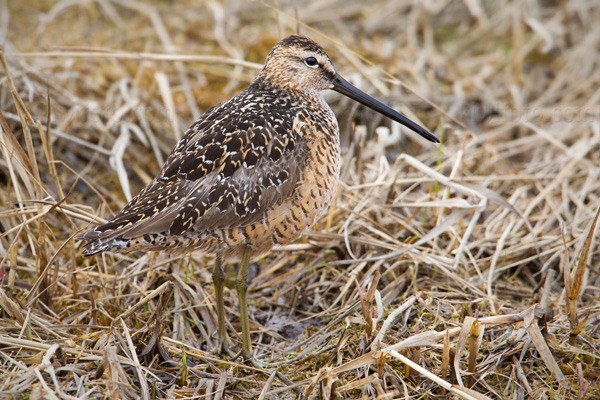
x=214 y=179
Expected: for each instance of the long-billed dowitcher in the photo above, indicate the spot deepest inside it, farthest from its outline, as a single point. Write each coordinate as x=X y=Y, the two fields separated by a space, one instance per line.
x=252 y=172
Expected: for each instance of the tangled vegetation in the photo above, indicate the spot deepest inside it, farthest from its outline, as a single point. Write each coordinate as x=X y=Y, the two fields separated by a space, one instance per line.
x=468 y=270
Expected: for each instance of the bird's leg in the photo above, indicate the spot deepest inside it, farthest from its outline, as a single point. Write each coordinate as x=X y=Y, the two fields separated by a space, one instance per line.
x=241 y=284
x=218 y=277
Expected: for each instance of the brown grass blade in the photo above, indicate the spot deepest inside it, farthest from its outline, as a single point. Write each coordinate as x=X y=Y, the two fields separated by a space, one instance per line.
x=576 y=279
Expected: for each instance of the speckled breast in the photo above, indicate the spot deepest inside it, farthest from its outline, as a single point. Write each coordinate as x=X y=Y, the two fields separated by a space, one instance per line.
x=313 y=192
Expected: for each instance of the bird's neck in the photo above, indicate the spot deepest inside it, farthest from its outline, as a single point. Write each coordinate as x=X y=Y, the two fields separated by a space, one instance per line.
x=265 y=83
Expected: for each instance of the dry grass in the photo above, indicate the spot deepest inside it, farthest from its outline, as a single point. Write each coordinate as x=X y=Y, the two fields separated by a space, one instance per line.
x=470 y=271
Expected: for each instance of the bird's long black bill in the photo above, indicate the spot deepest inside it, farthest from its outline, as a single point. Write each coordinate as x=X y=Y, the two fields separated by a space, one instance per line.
x=344 y=87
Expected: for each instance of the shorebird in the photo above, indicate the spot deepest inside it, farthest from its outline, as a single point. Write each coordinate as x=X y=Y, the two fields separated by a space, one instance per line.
x=252 y=172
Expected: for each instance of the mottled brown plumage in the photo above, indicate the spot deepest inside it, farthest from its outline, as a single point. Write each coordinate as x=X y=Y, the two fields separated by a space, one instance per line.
x=252 y=172
x=256 y=170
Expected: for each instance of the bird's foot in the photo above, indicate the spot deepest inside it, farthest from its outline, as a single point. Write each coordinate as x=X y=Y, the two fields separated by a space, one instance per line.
x=222 y=349
x=249 y=357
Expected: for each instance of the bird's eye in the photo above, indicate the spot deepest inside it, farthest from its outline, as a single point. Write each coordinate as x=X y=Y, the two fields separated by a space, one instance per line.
x=311 y=62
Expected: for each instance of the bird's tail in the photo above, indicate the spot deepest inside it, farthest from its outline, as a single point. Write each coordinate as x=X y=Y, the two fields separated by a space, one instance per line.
x=98 y=241
x=100 y=245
